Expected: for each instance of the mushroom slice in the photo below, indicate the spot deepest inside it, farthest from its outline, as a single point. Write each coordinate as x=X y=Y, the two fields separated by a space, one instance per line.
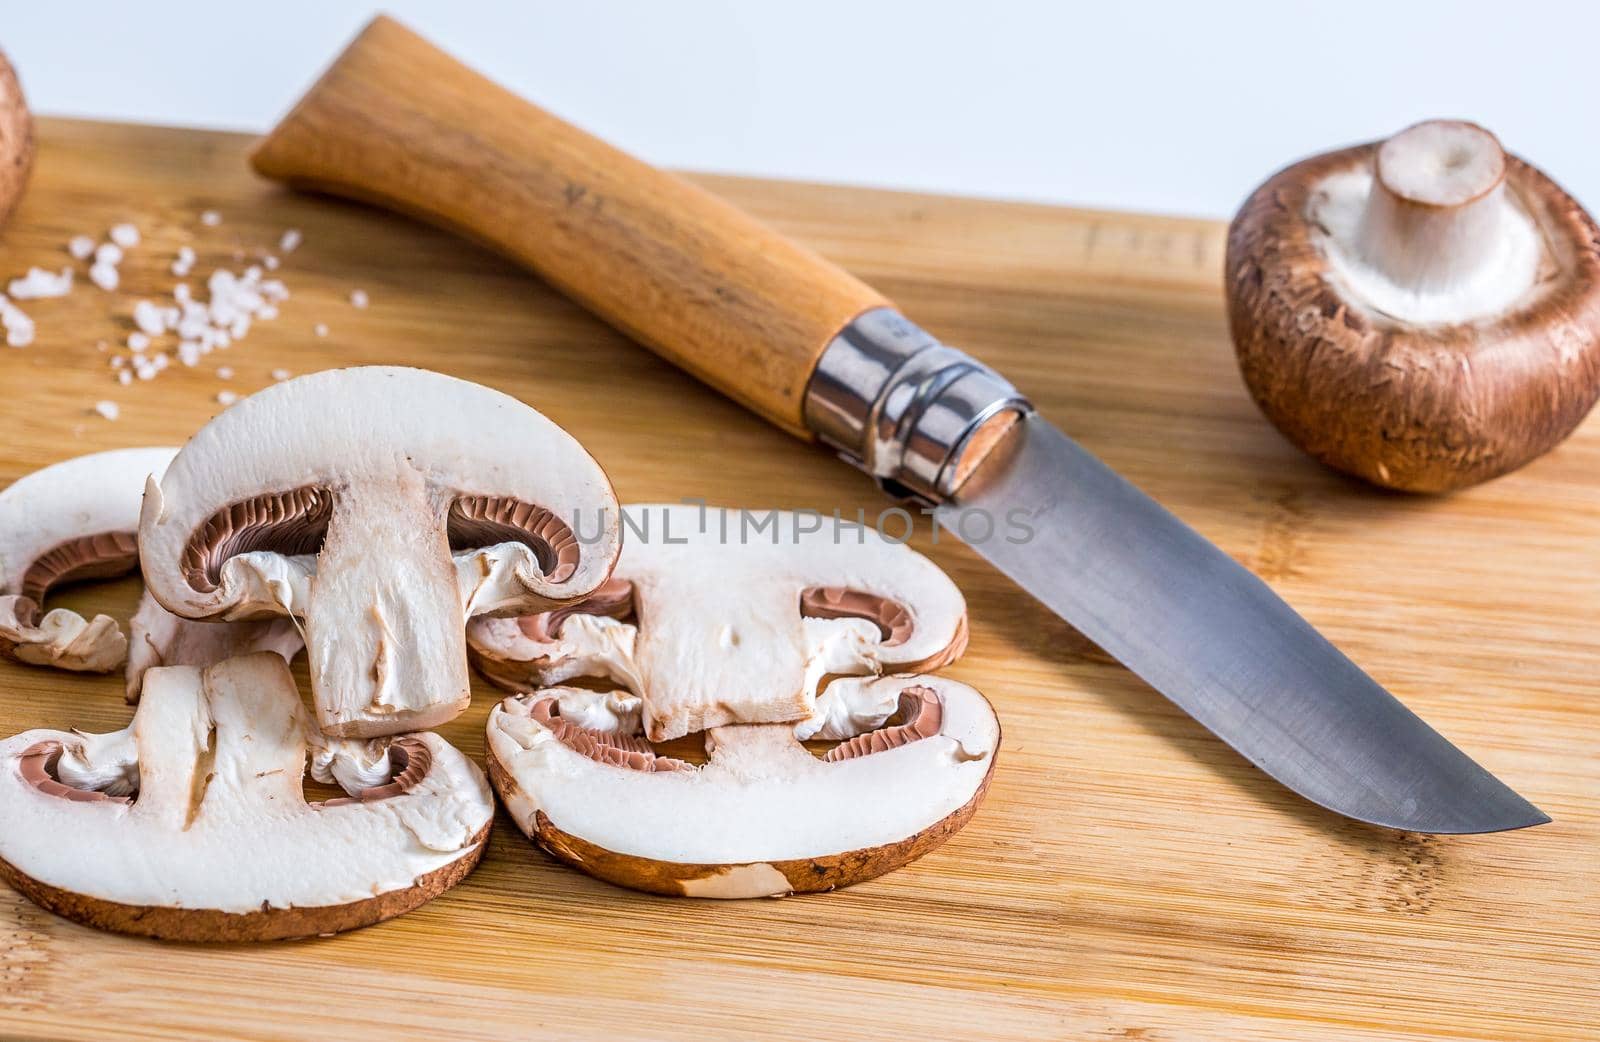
x=156 y=637
x=711 y=627
x=71 y=521
x=763 y=817
x=214 y=839
x=382 y=508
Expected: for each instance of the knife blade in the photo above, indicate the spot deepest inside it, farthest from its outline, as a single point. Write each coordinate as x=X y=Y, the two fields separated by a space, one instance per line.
x=1218 y=642
x=798 y=340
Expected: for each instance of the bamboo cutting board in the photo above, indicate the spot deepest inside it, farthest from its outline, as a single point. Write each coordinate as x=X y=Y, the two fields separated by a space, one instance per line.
x=1129 y=876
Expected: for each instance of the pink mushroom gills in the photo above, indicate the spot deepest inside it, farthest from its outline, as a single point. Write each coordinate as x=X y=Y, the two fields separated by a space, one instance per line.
x=192 y=824
x=381 y=508
x=1423 y=312
x=78 y=520
x=759 y=645
x=69 y=522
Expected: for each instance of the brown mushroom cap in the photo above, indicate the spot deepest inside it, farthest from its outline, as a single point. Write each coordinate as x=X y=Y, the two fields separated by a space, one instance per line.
x=1417 y=405
x=16 y=140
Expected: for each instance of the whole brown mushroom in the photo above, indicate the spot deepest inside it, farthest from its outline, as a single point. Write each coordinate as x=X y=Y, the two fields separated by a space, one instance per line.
x=16 y=140
x=1423 y=313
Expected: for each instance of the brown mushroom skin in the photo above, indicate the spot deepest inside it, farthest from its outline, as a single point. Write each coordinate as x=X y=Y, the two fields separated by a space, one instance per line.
x=16 y=140
x=210 y=926
x=673 y=879
x=1420 y=409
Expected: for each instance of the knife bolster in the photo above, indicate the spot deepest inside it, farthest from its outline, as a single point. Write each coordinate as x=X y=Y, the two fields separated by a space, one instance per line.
x=911 y=412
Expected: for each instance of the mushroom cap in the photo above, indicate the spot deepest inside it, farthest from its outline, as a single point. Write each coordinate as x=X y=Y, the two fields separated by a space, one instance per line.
x=219 y=843
x=764 y=817
x=725 y=626
x=383 y=506
x=16 y=140
x=70 y=521
x=1414 y=404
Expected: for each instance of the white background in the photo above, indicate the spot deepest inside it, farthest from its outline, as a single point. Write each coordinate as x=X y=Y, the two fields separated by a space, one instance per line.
x=1179 y=107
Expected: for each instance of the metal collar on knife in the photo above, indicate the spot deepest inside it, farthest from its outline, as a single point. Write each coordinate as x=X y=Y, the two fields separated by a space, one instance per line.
x=908 y=410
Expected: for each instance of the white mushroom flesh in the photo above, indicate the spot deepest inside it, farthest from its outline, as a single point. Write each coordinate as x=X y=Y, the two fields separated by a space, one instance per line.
x=156 y=637
x=762 y=797
x=1432 y=235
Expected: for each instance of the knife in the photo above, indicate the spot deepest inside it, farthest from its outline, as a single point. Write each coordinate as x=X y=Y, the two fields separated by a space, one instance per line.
x=398 y=122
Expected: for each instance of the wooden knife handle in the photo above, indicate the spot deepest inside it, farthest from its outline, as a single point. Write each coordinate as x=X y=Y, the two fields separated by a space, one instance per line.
x=398 y=122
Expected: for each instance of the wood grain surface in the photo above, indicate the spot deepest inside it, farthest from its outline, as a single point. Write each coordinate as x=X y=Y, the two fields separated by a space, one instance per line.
x=1130 y=878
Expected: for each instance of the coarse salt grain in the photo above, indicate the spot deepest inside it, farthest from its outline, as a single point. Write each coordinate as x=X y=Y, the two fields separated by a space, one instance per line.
x=124 y=378
x=105 y=276
x=81 y=247
x=39 y=283
x=358 y=298
x=280 y=375
x=138 y=341
x=290 y=240
x=125 y=235
x=108 y=253
x=211 y=218
x=117 y=361
x=224 y=372
x=321 y=329
x=18 y=326
x=108 y=409
x=149 y=318
x=189 y=352
x=226 y=397
x=271 y=262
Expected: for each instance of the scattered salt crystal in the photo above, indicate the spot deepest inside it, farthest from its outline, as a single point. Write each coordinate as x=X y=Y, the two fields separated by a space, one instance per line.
x=105 y=276
x=275 y=291
x=290 y=240
x=138 y=341
x=145 y=372
x=252 y=273
x=321 y=329
x=161 y=361
x=81 y=247
x=108 y=409
x=185 y=262
x=271 y=262
x=358 y=298
x=224 y=372
x=226 y=397
x=39 y=283
x=18 y=326
x=108 y=253
x=149 y=318
x=189 y=352
x=124 y=378
x=280 y=375
x=266 y=312
x=117 y=361
x=125 y=235
x=211 y=218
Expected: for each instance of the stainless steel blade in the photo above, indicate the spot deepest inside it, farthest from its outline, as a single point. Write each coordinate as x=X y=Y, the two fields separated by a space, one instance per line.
x=1217 y=641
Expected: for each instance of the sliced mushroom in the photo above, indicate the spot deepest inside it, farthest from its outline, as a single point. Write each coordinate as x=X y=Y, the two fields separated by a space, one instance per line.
x=383 y=507
x=156 y=637
x=1422 y=312
x=715 y=632
x=16 y=140
x=764 y=817
x=192 y=824
x=71 y=521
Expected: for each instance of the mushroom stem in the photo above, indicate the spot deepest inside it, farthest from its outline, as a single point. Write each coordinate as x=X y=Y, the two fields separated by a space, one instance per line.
x=1435 y=215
